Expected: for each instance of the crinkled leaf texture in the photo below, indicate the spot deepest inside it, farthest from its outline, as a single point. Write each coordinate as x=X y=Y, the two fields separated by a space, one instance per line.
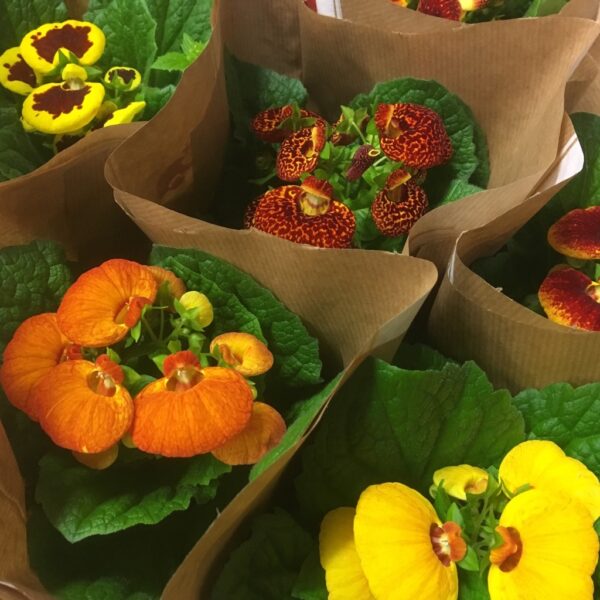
x=34 y=278
x=19 y=17
x=296 y=352
x=389 y=424
x=81 y=502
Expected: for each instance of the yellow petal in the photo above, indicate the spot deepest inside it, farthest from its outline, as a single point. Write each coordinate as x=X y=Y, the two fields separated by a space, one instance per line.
x=56 y=108
x=15 y=74
x=40 y=47
x=72 y=71
x=126 y=115
x=559 y=550
x=243 y=352
x=197 y=301
x=544 y=466
x=124 y=78
x=392 y=535
x=459 y=480
x=343 y=572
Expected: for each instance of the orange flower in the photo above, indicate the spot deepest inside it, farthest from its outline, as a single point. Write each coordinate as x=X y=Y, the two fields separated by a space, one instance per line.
x=245 y=353
x=176 y=285
x=263 y=432
x=82 y=406
x=35 y=349
x=102 y=306
x=192 y=410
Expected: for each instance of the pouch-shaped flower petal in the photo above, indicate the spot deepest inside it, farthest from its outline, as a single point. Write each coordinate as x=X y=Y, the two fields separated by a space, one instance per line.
x=305 y=214
x=344 y=575
x=262 y=433
x=577 y=234
x=176 y=285
x=299 y=152
x=126 y=78
x=398 y=539
x=544 y=466
x=413 y=135
x=40 y=47
x=267 y=125
x=61 y=107
x=34 y=350
x=550 y=550
x=244 y=352
x=125 y=115
x=102 y=306
x=569 y=297
x=446 y=9
x=459 y=480
x=82 y=407
x=15 y=74
x=191 y=411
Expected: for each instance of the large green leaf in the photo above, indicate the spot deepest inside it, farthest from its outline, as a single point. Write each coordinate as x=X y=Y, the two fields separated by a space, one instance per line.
x=266 y=566
x=566 y=415
x=388 y=424
x=34 y=278
x=81 y=502
x=19 y=17
x=130 y=32
x=296 y=352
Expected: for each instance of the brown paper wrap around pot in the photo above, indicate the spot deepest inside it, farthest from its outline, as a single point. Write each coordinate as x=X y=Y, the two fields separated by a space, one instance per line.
x=516 y=347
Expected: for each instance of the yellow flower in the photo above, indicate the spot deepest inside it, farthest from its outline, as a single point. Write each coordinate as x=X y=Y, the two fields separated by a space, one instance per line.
x=344 y=576
x=126 y=115
x=63 y=107
x=550 y=549
x=459 y=480
x=404 y=550
x=15 y=74
x=195 y=300
x=125 y=78
x=72 y=71
x=543 y=465
x=40 y=47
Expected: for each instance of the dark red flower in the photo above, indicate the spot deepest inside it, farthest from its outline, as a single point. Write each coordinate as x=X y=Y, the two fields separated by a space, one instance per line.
x=447 y=9
x=577 y=234
x=363 y=158
x=267 y=125
x=299 y=152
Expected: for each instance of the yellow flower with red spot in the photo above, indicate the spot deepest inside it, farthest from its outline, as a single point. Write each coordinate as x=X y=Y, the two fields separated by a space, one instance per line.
x=243 y=352
x=549 y=549
x=125 y=78
x=41 y=47
x=102 y=306
x=462 y=479
x=15 y=74
x=126 y=114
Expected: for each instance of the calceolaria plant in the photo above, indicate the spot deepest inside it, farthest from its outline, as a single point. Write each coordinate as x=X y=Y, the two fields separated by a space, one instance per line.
x=364 y=180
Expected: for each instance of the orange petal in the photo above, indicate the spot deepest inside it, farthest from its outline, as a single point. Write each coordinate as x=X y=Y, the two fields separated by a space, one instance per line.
x=577 y=234
x=35 y=349
x=176 y=286
x=446 y=9
x=245 y=353
x=263 y=432
x=413 y=135
x=180 y=360
x=571 y=298
x=99 y=461
x=98 y=309
x=396 y=211
x=299 y=152
x=81 y=408
x=186 y=422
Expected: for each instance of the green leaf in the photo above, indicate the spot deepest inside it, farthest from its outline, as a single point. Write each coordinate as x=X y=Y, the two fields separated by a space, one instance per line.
x=20 y=152
x=470 y=562
x=155 y=99
x=470 y=148
x=19 y=17
x=310 y=584
x=113 y=588
x=420 y=357
x=388 y=424
x=458 y=189
x=306 y=414
x=130 y=33
x=172 y=61
x=266 y=566
x=568 y=416
x=34 y=279
x=543 y=8
x=81 y=502
x=296 y=352
x=472 y=586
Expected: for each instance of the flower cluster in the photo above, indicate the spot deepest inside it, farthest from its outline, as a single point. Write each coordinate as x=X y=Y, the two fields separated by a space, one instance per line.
x=454 y=10
x=530 y=526
x=126 y=358
x=65 y=95
x=570 y=294
x=378 y=157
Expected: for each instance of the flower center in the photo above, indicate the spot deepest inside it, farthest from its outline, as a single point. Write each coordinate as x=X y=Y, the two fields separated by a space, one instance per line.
x=508 y=555
x=229 y=356
x=71 y=352
x=313 y=205
x=131 y=311
x=593 y=291
x=398 y=193
x=102 y=383
x=447 y=542
x=184 y=378
x=476 y=486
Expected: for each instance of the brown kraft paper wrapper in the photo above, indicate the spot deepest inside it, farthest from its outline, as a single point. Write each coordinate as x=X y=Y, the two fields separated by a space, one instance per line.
x=517 y=348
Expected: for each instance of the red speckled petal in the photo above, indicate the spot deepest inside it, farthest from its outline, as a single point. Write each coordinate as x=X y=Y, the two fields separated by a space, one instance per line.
x=299 y=153
x=414 y=135
x=363 y=158
x=318 y=187
x=447 y=9
x=577 y=234
x=265 y=125
x=279 y=213
x=395 y=217
x=569 y=297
